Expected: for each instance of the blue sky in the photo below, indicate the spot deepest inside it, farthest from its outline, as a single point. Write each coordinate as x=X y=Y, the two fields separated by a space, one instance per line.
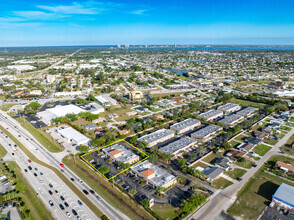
x=90 y=22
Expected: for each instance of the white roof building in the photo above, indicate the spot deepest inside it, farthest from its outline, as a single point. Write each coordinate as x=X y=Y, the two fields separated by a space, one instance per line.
x=71 y=135
x=59 y=111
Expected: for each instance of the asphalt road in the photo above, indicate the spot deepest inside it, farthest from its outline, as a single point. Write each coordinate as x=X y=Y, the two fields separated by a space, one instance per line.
x=40 y=184
x=42 y=154
x=221 y=201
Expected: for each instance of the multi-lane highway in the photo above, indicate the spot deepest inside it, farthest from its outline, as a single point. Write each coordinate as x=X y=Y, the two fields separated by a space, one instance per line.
x=46 y=184
x=42 y=154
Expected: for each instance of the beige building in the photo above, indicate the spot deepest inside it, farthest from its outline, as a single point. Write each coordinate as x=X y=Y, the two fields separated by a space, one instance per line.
x=185 y=125
x=136 y=95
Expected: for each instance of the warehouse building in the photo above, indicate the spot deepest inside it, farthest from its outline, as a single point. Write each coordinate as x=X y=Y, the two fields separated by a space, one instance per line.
x=177 y=146
x=204 y=134
x=185 y=125
x=71 y=135
x=284 y=197
x=247 y=112
x=119 y=153
x=59 y=111
x=229 y=108
x=103 y=101
x=211 y=115
x=232 y=119
x=154 y=175
x=157 y=137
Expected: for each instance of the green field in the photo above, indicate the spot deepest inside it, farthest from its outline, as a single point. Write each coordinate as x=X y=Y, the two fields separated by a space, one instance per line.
x=28 y=194
x=44 y=138
x=200 y=164
x=6 y=107
x=221 y=183
x=105 y=189
x=236 y=173
x=56 y=171
x=247 y=164
x=234 y=143
x=3 y=151
x=166 y=212
x=270 y=141
x=255 y=196
x=210 y=158
x=261 y=149
x=286 y=128
x=287 y=148
x=248 y=103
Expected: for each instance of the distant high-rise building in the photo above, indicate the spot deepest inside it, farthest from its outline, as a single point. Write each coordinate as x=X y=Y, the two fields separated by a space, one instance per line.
x=118 y=46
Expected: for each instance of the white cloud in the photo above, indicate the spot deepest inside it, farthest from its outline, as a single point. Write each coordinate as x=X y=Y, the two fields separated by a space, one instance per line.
x=140 y=12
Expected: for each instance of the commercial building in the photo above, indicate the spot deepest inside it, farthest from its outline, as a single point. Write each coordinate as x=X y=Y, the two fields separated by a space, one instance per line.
x=177 y=146
x=229 y=108
x=185 y=125
x=211 y=115
x=154 y=175
x=204 y=134
x=103 y=101
x=157 y=137
x=284 y=197
x=59 y=111
x=119 y=153
x=136 y=95
x=232 y=119
x=247 y=112
x=71 y=135
x=74 y=93
x=94 y=108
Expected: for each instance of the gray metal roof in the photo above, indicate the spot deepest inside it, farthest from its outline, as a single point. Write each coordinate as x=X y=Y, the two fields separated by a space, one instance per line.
x=228 y=106
x=177 y=145
x=210 y=113
x=186 y=123
x=285 y=193
x=213 y=172
x=208 y=130
x=231 y=119
x=155 y=136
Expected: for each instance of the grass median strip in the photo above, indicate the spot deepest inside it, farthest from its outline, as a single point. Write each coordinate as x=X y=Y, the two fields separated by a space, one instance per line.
x=45 y=139
x=57 y=172
x=3 y=151
x=28 y=194
x=105 y=189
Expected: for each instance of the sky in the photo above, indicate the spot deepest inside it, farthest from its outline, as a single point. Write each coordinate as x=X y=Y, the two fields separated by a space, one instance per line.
x=91 y=22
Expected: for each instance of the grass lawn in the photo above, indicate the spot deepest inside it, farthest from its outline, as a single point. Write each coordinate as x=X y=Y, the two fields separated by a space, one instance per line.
x=247 y=164
x=241 y=137
x=44 y=138
x=105 y=189
x=166 y=212
x=6 y=107
x=200 y=164
x=270 y=141
x=56 y=171
x=32 y=201
x=286 y=128
x=248 y=103
x=234 y=143
x=255 y=196
x=210 y=157
x=236 y=173
x=261 y=149
x=221 y=183
x=287 y=148
x=3 y=151
x=290 y=124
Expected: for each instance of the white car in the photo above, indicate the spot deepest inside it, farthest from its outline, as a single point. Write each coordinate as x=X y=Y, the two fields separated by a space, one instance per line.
x=68 y=214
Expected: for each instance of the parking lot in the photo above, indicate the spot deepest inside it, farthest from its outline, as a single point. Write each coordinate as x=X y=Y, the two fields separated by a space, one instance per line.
x=274 y=214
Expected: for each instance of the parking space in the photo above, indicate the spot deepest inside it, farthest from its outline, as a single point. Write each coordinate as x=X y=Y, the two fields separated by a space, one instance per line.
x=276 y=214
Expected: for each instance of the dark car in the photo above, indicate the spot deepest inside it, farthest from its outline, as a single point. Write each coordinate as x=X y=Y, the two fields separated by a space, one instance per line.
x=239 y=179
x=25 y=170
x=62 y=198
x=51 y=203
x=50 y=192
x=72 y=179
x=61 y=206
x=66 y=204
x=35 y=174
x=80 y=203
x=30 y=168
x=85 y=191
x=50 y=185
x=254 y=165
x=92 y=191
x=74 y=212
x=41 y=173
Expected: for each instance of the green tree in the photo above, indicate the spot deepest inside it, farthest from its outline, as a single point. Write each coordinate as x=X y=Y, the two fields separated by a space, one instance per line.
x=145 y=203
x=32 y=106
x=91 y=97
x=226 y=145
x=83 y=148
